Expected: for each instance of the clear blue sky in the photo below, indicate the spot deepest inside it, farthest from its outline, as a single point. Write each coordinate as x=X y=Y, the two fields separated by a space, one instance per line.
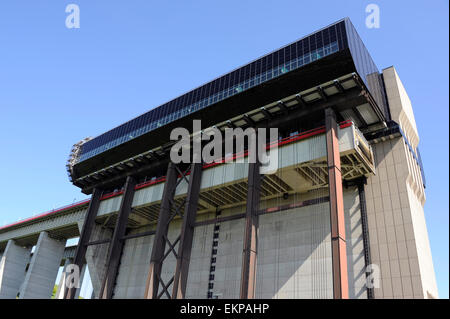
x=58 y=86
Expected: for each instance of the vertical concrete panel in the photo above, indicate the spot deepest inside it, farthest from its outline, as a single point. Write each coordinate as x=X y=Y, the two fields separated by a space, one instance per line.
x=169 y=264
x=321 y=256
x=398 y=235
x=357 y=287
x=43 y=269
x=227 y=275
x=400 y=104
x=134 y=264
x=13 y=263
x=219 y=174
x=424 y=259
x=199 y=268
x=96 y=256
x=110 y=205
x=148 y=194
x=294 y=254
x=395 y=198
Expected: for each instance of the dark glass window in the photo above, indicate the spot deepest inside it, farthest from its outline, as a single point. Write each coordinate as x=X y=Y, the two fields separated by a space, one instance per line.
x=232 y=83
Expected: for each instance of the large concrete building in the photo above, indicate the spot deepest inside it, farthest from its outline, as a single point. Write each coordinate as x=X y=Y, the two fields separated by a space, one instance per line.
x=341 y=217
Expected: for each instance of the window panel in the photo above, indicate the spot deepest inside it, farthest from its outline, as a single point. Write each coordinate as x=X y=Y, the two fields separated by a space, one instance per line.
x=275 y=64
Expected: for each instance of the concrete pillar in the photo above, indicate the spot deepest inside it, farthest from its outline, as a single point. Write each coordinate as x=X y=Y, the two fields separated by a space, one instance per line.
x=338 y=243
x=13 y=263
x=43 y=269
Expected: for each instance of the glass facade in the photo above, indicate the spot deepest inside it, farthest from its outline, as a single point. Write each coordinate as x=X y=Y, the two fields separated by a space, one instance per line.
x=365 y=66
x=293 y=56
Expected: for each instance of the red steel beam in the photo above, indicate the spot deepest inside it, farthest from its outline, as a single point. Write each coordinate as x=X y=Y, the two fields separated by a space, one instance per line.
x=187 y=233
x=80 y=253
x=162 y=227
x=116 y=245
x=249 y=253
x=338 y=244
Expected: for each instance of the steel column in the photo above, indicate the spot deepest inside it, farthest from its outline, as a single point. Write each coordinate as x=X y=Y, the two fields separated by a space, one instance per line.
x=116 y=245
x=159 y=242
x=248 y=275
x=85 y=236
x=338 y=244
x=187 y=233
x=365 y=232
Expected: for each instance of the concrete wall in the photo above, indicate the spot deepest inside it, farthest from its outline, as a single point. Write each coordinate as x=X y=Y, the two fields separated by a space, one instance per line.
x=395 y=198
x=135 y=262
x=199 y=268
x=294 y=252
x=429 y=286
x=134 y=265
x=197 y=285
x=227 y=275
x=397 y=227
x=400 y=105
x=355 y=245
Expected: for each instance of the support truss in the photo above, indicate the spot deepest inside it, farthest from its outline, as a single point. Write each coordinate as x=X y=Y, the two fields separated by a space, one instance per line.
x=168 y=211
x=116 y=244
x=85 y=235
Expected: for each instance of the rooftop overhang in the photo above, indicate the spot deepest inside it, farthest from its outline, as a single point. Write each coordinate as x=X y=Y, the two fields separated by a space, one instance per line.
x=300 y=94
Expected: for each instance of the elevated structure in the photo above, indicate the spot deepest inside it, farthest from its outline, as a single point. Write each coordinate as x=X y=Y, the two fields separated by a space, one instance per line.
x=348 y=166
x=307 y=70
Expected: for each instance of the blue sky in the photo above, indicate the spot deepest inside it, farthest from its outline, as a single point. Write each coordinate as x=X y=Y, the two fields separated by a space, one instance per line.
x=59 y=85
